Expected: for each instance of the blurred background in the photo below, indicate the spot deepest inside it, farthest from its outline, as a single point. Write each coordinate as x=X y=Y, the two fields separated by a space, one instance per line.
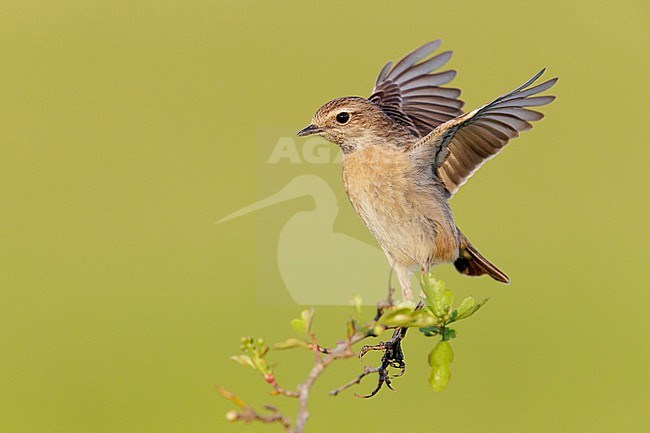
x=130 y=128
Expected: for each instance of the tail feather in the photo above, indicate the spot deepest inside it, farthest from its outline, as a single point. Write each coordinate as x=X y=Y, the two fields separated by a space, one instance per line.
x=471 y=262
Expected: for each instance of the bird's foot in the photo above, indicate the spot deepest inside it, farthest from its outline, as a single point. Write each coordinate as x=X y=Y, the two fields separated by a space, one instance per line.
x=393 y=358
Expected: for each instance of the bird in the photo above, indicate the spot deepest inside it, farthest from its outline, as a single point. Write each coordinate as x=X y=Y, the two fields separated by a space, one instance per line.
x=409 y=147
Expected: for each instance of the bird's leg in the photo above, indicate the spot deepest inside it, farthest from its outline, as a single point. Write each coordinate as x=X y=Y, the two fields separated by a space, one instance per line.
x=405 y=282
x=393 y=354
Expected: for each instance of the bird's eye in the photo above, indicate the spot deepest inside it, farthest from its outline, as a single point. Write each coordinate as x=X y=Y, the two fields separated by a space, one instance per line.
x=343 y=117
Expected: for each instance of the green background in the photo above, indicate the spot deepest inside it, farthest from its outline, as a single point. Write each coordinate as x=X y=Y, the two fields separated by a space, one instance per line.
x=128 y=128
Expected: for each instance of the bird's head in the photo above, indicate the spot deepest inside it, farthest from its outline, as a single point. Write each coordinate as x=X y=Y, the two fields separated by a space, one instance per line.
x=351 y=122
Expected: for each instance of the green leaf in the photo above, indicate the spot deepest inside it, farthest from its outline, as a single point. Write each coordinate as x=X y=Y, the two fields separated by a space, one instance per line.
x=396 y=316
x=397 y=320
x=406 y=316
x=440 y=359
x=447 y=300
x=441 y=354
x=303 y=324
x=430 y=331
x=307 y=316
x=448 y=334
x=468 y=307
x=433 y=288
x=289 y=344
x=438 y=299
x=465 y=305
x=439 y=378
x=356 y=302
x=423 y=319
x=299 y=326
x=261 y=365
x=244 y=360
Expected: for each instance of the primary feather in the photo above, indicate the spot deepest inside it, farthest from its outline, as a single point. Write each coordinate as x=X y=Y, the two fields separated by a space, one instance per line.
x=410 y=92
x=458 y=147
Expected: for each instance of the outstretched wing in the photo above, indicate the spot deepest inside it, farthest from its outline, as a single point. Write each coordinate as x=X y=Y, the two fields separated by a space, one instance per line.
x=459 y=147
x=410 y=91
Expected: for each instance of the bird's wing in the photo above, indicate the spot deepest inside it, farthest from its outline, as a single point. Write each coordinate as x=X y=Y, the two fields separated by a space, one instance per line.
x=410 y=92
x=459 y=147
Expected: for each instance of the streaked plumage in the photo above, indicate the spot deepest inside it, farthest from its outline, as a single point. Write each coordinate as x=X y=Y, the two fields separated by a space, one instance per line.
x=409 y=147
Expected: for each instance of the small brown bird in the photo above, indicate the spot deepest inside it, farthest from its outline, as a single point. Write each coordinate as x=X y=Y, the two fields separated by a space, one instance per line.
x=409 y=147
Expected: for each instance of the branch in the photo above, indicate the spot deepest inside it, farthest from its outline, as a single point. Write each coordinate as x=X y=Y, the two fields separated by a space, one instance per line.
x=248 y=415
x=366 y=371
x=342 y=350
x=432 y=321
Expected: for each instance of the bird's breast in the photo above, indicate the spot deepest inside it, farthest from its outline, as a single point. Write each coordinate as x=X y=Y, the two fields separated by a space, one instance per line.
x=402 y=206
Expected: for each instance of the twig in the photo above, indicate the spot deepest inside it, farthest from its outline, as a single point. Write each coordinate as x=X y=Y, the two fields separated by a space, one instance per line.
x=393 y=357
x=366 y=371
x=277 y=389
x=248 y=415
x=431 y=322
x=340 y=351
x=388 y=302
x=315 y=346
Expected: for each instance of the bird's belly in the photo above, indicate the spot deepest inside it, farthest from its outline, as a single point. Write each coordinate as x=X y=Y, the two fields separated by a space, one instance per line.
x=406 y=210
x=412 y=228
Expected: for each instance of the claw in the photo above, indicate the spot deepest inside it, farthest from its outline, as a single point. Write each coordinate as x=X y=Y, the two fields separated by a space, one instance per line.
x=393 y=358
x=365 y=349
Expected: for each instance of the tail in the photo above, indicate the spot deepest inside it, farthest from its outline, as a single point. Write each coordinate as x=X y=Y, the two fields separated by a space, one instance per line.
x=471 y=262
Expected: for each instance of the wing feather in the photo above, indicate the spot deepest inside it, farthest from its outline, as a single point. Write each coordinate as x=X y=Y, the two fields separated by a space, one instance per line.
x=424 y=67
x=410 y=92
x=457 y=148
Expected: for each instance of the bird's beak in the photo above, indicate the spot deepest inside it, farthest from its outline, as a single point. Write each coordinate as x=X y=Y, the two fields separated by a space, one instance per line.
x=310 y=130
